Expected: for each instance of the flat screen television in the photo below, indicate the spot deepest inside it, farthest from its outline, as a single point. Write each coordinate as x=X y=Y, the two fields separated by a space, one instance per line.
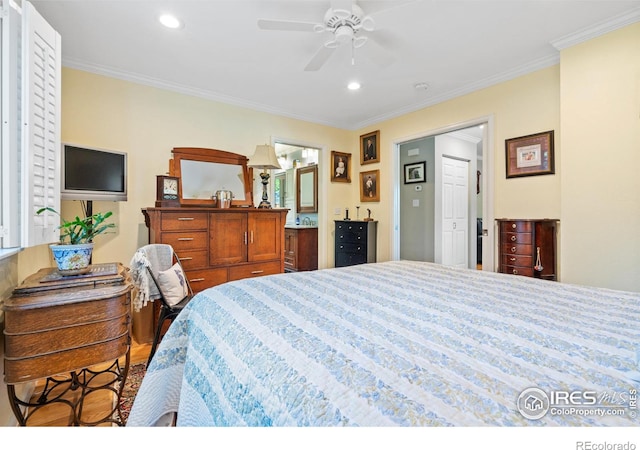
x=93 y=174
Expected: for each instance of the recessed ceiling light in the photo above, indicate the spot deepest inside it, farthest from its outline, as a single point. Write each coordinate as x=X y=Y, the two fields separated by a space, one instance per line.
x=169 y=21
x=353 y=86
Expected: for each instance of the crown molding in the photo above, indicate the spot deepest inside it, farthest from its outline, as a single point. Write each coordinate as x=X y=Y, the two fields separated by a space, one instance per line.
x=598 y=29
x=585 y=34
x=525 y=69
x=187 y=90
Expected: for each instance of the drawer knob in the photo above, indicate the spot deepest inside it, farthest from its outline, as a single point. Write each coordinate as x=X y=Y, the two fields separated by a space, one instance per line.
x=195 y=280
x=256 y=272
x=515 y=271
x=512 y=259
x=513 y=225
x=513 y=238
x=513 y=249
x=185 y=239
x=185 y=218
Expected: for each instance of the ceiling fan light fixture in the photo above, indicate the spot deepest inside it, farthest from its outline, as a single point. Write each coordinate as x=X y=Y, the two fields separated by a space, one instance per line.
x=344 y=33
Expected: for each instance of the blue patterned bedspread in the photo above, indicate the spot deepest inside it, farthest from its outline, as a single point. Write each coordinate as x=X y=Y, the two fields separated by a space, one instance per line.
x=396 y=344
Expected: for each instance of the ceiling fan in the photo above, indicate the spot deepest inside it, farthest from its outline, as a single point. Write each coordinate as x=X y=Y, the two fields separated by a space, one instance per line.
x=346 y=23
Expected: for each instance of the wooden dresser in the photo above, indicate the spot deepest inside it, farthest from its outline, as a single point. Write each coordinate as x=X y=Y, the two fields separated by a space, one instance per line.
x=300 y=248
x=217 y=245
x=355 y=242
x=528 y=247
x=57 y=327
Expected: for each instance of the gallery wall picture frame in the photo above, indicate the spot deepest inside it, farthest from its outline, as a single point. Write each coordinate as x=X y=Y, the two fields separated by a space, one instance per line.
x=340 y=167
x=370 y=186
x=530 y=155
x=415 y=172
x=370 y=147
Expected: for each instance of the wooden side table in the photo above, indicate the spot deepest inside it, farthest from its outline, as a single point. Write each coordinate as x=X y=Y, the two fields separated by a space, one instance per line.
x=58 y=328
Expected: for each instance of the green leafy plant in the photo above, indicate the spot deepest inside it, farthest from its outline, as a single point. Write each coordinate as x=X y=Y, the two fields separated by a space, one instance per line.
x=81 y=231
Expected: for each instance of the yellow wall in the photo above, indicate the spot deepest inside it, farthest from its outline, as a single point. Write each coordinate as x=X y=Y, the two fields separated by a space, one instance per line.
x=600 y=109
x=522 y=106
x=596 y=148
x=147 y=123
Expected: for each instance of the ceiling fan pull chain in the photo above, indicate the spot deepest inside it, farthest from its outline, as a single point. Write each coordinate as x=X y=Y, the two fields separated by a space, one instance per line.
x=353 y=53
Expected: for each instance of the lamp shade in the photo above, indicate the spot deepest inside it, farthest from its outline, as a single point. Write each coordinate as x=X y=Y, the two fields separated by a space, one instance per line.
x=264 y=158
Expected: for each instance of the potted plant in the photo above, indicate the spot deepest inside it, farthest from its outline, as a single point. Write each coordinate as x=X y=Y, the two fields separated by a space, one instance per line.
x=73 y=253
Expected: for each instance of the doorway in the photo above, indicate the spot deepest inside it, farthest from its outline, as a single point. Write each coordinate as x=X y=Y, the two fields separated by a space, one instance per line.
x=421 y=231
x=296 y=153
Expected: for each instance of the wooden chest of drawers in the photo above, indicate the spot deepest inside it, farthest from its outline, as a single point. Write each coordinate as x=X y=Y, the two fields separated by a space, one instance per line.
x=355 y=242
x=528 y=247
x=218 y=245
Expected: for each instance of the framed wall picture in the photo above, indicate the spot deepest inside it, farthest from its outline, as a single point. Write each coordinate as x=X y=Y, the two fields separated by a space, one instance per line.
x=369 y=186
x=530 y=155
x=415 y=172
x=370 y=147
x=341 y=167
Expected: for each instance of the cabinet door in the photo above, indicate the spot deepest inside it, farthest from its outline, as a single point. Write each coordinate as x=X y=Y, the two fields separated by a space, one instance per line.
x=265 y=236
x=290 y=246
x=228 y=238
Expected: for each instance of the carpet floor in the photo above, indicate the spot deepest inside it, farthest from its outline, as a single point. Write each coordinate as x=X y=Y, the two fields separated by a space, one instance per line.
x=131 y=386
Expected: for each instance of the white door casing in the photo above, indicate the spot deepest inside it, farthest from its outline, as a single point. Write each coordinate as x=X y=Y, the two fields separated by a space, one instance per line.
x=486 y=166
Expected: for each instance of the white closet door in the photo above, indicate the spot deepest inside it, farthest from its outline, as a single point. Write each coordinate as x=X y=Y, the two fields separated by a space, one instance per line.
x=41 y=133
x=455 y=212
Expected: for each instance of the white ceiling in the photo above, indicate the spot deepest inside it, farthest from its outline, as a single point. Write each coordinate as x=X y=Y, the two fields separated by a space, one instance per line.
x=220 y=53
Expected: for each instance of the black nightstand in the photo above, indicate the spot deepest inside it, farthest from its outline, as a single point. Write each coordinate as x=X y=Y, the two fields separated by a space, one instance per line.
x=355 y=242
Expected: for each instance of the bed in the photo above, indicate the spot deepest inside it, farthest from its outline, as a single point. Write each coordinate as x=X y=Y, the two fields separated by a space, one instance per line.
x=397 y=343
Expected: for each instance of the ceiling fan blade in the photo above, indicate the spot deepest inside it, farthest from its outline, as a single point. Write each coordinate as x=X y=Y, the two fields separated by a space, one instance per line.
x=379 y=54
x=319 y=58
x=385 y=38
x=285 y=25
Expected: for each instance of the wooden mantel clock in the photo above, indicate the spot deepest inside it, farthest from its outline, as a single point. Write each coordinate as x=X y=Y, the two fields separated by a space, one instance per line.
x=167 y=191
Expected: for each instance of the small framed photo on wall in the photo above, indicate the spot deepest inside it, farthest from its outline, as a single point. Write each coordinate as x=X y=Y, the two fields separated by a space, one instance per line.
x=341 y=167
x=415 y=172
x=370 y=147
x=369 y=189
x=530 y=155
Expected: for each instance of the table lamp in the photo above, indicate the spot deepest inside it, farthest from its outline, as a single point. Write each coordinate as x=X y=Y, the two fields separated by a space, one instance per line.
x=264 y=158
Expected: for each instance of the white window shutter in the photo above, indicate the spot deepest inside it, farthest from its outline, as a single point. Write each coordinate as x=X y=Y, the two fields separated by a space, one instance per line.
x=11 y=125
x=41 y=133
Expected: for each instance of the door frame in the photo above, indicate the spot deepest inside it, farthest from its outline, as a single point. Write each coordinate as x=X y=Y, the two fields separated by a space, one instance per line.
x=323 y=175
x=486 y=181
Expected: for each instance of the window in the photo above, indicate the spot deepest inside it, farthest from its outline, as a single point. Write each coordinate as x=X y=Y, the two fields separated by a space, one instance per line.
x=30 y=97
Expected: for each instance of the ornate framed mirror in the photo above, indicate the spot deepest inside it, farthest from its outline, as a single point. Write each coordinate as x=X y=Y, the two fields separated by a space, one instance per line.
x=204 y=171
x=307 y=185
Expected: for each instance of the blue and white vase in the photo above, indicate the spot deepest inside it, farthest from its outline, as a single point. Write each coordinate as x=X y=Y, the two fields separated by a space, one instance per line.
x=72 y=259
